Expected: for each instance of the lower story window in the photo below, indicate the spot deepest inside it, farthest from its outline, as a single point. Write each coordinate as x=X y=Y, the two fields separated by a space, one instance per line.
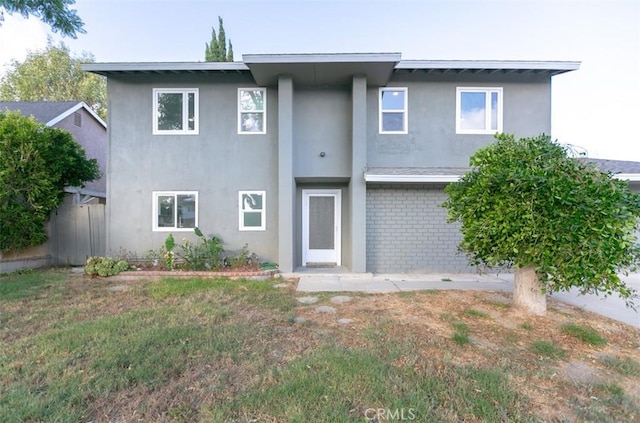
x=175 y=210
x=252 y=210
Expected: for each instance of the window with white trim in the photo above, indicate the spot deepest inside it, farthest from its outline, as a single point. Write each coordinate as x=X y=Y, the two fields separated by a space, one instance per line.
x=252 y=111
x=175 y=210
x=175 y=111
x=252 y=208
x=393 y=112
x=478 y=110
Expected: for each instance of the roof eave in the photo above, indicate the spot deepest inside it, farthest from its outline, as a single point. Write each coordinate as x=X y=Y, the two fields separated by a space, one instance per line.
x=412 y=178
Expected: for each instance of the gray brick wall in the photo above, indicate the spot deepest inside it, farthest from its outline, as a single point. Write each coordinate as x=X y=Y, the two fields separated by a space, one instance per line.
x=407 y=231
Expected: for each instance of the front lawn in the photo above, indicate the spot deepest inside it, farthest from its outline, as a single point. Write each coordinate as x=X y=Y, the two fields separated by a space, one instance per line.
x=77 y=349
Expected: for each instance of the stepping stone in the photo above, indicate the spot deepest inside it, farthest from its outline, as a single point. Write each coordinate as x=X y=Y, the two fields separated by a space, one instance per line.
x=344 y=321
x=325 y=309
x=340 y=299
x=307 y=300
x=281 y=285
x=299 y=320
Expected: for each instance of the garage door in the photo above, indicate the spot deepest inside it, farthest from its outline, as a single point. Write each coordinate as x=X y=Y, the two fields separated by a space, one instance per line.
x=407 y=231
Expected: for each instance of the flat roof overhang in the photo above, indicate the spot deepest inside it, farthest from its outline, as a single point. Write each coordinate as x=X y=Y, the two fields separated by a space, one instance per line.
x=439 y=175
x=163 y=68
x=322 y=69
x=487 y=66
x=425 y=175
x=332 y=69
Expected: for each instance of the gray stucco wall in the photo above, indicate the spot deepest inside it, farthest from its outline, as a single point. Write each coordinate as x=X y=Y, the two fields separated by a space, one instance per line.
x=217 y=163
x=432 y=138
x=322 y=123
x=407 y=231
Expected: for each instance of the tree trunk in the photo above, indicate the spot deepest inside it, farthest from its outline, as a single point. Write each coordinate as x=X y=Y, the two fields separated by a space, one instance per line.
x=527 y=291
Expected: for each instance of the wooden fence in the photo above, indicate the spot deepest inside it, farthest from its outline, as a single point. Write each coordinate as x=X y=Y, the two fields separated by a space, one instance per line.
x=77 y=232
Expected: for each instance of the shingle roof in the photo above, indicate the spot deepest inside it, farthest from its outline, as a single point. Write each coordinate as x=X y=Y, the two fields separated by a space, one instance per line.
x=42 y=111
x=615 y=166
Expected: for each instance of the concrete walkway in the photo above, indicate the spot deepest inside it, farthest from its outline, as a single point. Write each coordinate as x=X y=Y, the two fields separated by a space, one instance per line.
x=319 y=280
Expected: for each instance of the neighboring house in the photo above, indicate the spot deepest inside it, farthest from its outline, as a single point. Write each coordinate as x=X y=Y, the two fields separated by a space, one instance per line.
x=310 y=159
x=76 y=228
x=87 y=128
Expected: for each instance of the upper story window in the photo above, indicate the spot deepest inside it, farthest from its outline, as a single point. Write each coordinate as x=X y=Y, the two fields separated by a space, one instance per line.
x=252 y=207
x=175 y=111
x=393 y=116
x=175 y=210
x=252 y=111
x=478 y=110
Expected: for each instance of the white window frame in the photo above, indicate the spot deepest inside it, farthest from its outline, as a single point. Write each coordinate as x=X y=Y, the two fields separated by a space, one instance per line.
x=185 y=111
x=154 y=207
x=263 y=111
x=488 y=116
x=404 y=110
x=241 y=212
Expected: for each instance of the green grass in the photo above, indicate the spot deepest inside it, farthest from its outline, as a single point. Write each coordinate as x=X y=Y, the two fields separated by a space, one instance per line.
x=625 y=366
x=527 y=326
x=461 y=334
x=584 y=333
x=20 y=285
x=547 y=349
x=475 y=313
x=606 y=403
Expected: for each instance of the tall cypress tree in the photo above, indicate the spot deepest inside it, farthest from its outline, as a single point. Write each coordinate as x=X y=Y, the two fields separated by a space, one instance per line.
x=216 y=50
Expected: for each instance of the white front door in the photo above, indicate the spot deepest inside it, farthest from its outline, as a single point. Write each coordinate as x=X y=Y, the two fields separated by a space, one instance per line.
x=321 y=226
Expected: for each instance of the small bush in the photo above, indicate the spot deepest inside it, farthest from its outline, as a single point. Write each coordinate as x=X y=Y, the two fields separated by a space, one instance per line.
x=104 y=266
x=584 y=333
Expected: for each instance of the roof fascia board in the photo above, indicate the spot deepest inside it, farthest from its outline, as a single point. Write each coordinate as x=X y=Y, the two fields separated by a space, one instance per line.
x=163 y=66
x=73 y=109
x=489 y=64
x=321 y=58
x=631 y=177
x=412 y=178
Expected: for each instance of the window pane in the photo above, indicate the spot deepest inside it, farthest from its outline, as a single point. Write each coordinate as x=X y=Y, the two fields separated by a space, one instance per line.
x=494 y=111
x=251 y=201
x=252 y=122
x=252 y=219
x=392 y=122
x=393 y=100
x=186 y=211
x=472 y=110
x=165 y=212
x=170 y=111
x=192 y=111
x=252 y=100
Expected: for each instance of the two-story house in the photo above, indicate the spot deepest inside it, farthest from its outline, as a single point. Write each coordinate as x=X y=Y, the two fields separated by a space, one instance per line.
x=310 y=159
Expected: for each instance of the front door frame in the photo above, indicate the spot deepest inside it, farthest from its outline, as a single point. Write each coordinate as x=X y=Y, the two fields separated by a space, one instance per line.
x=337 y=194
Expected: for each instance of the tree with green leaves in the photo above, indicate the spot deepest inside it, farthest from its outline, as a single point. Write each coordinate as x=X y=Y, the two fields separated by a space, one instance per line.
x=54 y=74
x=216 y=50
x=558 y=220
x=36 y=164
x=56 y=14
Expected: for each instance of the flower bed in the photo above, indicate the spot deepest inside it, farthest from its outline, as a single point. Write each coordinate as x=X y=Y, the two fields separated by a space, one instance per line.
x=231 y=273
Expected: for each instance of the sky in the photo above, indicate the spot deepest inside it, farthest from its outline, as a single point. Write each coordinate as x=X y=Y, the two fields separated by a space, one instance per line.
x=594 y=108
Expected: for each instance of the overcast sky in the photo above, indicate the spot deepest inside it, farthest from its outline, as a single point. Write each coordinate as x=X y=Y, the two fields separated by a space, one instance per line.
x=595 y=107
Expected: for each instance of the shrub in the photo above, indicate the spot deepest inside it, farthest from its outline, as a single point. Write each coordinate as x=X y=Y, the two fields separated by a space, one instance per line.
x=104 y=266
